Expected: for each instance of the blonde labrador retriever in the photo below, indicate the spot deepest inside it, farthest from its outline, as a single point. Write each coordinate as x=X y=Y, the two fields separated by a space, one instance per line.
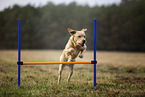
x=75 y=47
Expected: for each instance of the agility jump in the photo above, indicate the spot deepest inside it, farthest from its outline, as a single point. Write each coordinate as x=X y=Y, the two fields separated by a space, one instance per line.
x=19 y=63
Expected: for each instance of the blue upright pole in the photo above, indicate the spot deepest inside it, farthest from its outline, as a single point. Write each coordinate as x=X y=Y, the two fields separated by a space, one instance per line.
x=94 y=52
x=19 y=49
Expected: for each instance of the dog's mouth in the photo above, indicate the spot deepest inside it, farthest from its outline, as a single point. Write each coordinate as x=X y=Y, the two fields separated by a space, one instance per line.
x=81 y=44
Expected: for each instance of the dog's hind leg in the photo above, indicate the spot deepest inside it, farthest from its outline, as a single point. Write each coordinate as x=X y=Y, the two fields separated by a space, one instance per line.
x=70 y=72
x=71 y=66
x=61 y=66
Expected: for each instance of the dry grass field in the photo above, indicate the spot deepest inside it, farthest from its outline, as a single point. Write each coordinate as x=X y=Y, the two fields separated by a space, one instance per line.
x=118 y=74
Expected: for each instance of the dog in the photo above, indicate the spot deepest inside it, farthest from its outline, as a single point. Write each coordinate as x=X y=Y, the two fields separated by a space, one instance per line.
x=75 y=47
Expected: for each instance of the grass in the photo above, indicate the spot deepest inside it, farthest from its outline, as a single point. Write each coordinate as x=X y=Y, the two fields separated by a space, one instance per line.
x=118 y=74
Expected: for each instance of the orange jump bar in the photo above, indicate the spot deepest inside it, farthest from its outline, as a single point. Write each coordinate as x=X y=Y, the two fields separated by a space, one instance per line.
x=49 y=63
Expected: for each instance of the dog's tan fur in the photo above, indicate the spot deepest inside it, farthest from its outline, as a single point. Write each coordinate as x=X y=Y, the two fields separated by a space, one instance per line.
x=75 y=47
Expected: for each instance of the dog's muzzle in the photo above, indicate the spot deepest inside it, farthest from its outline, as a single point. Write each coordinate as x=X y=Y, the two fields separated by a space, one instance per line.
x=84 y=41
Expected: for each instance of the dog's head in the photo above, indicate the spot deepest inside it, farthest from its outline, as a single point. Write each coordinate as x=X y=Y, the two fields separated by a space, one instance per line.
x=79 y=37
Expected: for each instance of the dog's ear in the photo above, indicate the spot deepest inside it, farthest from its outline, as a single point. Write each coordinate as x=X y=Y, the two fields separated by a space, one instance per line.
x=72 y=32
x=84 y=29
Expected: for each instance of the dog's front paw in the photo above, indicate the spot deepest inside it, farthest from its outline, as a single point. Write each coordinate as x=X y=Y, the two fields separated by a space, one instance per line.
x=81 y=56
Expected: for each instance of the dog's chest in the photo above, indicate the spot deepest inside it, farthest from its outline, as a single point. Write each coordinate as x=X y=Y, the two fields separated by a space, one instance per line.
x=75 y=54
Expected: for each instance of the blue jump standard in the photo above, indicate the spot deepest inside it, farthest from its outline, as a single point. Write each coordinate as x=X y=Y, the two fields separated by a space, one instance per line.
x=19 y=49
x=94 y=52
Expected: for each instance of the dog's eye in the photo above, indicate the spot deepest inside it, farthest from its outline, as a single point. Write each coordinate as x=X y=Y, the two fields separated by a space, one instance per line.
x=79 y=36
x=84 y=36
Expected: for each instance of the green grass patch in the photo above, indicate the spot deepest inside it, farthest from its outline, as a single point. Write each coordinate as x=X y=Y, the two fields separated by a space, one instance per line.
x=118 y=74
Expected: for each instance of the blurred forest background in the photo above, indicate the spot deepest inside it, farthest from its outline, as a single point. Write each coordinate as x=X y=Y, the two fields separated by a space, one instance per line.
x=119 y=27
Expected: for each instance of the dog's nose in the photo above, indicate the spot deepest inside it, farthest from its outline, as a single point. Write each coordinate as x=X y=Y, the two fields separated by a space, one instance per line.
x=84 y=41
